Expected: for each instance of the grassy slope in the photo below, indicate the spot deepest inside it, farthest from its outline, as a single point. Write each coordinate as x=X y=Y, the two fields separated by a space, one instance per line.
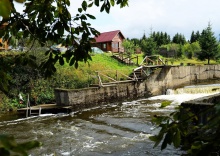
x=100 y=62
x=107 y=65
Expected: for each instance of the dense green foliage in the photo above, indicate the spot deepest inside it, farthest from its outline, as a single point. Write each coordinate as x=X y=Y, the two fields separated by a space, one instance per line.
x=148 y=46
x=160 y=38
x=179 y=39
x=184 y=129
x=194 y=37
x=56 y=26
x=129 y=47
x=202 y=46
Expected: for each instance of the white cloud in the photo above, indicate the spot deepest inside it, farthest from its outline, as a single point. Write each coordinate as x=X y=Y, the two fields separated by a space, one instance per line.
x=171 y=16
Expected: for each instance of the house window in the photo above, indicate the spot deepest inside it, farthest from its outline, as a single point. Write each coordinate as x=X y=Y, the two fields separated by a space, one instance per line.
x=114 y=45
x=104 y=46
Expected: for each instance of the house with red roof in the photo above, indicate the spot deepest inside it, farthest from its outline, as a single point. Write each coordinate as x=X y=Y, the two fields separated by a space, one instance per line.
x=110 y=41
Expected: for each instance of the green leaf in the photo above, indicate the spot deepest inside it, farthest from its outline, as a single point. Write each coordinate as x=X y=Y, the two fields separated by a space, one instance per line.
x=84 y=5
x=107 y=7
x=60 y=30
x=102 y=8
x=196 y=145
x=90 y=16
x=83 y=17
x=112 y=2
x=157 y=139
x=90 y=5
x=72 y=61
x=176 y=138
x=97 y=2
x=80 y=10
x=7 y=141
x=167 y=140
x=67 y=2
x=5 y=8
x=61 y=61
x=165 y=103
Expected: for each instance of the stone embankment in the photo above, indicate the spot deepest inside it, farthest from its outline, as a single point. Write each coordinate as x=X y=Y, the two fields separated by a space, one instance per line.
x=167 y=77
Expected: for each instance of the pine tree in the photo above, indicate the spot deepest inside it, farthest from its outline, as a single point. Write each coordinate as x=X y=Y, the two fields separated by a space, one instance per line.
x=144 y=37
x=192 y=38
x=179 y=39
x=209 y=45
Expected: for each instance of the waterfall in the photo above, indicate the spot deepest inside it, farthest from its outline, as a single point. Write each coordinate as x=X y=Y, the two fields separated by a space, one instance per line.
x=170 y=92
x=197 y=89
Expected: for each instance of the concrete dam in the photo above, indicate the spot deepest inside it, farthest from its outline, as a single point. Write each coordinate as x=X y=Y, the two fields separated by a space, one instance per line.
x=157 y=83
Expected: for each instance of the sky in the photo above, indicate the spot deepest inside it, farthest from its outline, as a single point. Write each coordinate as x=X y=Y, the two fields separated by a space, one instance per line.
x=144 y=16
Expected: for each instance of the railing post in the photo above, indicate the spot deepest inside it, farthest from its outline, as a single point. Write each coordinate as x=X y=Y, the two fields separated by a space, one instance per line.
x=99 y=79
x=28 y=107
x=40 y=111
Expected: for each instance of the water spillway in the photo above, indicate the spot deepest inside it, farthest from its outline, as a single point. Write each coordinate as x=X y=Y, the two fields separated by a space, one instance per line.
x=119 y=128
x=195 y=89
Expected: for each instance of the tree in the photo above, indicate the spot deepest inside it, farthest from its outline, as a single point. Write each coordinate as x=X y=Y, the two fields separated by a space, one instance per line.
x=136 y=41
x=208 y=44
x=191 y=49
x=50 y=22
x=179 y=39
x=160 y=38
x=180 y=51
x=194 y=36
x=129 y=47
x=144 y=37
x=148 y=46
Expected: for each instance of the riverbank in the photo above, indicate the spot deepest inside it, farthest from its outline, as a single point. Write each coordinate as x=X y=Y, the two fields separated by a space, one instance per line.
x=156 y=84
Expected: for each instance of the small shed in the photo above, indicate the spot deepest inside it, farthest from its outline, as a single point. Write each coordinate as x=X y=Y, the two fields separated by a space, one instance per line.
x=110 y=41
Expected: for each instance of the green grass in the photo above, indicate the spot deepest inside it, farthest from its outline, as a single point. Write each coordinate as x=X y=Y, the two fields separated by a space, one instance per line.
x=186 y=61
x=102 y=63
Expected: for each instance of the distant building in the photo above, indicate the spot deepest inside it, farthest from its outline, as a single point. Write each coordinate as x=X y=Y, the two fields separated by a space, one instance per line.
x=165 y=53
x=110 y=41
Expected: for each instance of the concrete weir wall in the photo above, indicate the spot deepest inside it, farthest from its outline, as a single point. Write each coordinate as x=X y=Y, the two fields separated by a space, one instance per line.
x=156 y=84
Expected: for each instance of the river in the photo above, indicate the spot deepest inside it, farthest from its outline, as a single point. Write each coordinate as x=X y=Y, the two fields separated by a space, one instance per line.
x=116 y=129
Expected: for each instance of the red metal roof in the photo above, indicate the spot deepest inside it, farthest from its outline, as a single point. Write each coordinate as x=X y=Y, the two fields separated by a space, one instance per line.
x=107 y=36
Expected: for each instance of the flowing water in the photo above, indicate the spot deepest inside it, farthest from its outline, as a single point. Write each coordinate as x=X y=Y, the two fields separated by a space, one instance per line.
x=116 y=129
